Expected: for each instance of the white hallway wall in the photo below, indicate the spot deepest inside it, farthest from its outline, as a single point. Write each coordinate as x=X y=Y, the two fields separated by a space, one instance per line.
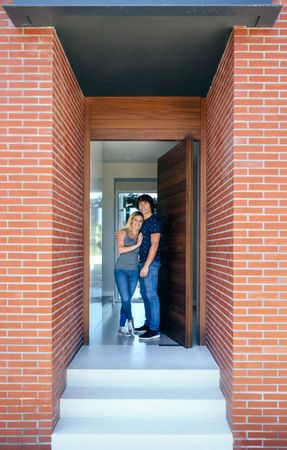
x=112 y=171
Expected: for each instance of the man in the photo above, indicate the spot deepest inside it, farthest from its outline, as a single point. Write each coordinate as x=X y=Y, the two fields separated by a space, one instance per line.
x=149 y=266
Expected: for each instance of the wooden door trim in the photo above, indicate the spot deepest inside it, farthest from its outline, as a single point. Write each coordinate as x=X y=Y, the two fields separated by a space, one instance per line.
x=144 y=118
x=189 y=243
x=108 y=131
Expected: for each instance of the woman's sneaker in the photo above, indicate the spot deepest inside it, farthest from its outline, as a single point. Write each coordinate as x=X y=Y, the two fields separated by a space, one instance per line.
x=131 y=328
x=143 y=329
x=124 y=332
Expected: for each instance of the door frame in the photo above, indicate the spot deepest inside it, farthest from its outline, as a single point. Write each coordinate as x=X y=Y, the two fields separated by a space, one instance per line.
x=156 y=119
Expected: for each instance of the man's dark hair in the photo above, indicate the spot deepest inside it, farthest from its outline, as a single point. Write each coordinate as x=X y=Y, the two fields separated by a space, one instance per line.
x=146 y=198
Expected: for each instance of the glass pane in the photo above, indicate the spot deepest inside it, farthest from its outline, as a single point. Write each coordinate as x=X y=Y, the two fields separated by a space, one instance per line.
x=127 y=204
x=96 y=200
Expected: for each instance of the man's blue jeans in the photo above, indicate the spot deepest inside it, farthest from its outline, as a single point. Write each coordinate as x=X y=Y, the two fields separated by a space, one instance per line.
x=148 y=289
x=126 y=281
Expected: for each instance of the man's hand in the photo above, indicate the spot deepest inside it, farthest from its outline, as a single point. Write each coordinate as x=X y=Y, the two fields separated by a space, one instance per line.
x=155 y=237
x=144 y=271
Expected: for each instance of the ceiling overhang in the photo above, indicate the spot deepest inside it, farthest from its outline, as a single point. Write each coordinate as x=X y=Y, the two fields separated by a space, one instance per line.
x=134 y=48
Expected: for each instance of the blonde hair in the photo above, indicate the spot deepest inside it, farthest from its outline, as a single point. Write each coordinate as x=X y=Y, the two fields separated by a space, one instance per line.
x=128 y=225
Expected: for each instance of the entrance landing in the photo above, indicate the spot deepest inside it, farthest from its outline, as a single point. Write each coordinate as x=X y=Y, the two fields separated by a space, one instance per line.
x=143 y=356
x=108 y=350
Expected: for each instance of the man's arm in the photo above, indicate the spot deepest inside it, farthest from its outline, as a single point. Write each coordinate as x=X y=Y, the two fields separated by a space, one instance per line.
x=155 y=238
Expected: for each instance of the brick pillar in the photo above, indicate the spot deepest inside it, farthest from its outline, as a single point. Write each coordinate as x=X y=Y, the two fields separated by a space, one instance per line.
x=41 y=252
x=219 y=286
x=251 y=304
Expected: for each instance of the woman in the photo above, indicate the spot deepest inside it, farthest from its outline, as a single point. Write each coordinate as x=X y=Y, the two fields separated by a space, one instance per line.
x=127 y=268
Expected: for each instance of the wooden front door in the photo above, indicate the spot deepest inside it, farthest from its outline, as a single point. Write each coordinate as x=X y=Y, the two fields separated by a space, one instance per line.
x=175 y=205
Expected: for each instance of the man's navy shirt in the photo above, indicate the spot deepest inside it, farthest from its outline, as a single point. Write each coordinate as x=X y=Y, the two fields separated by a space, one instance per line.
x=150 y=226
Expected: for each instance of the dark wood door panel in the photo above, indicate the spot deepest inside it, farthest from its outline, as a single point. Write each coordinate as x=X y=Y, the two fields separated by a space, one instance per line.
x=175 y=210
x=171 y=189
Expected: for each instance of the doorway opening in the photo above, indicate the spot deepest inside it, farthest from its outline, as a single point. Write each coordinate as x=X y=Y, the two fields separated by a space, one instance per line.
x=119 y=172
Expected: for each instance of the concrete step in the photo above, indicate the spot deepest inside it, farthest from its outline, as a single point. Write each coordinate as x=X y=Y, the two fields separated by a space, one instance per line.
x=173 y=408
x=159 y=433
x=126 y=401
x=138 y=377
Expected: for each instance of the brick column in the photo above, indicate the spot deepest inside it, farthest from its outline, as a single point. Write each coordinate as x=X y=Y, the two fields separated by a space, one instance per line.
x=252 y=309
x=219 y=283
x=41 y=256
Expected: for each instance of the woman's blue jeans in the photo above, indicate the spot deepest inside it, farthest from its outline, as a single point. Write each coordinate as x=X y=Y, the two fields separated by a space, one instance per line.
x=126 y=281
x=148 y=289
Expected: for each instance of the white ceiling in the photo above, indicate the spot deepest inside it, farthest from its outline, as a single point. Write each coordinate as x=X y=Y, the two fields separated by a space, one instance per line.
x=135 y=151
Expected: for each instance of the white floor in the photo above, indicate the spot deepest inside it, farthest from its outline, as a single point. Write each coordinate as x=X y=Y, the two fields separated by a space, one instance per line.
x=108 y=350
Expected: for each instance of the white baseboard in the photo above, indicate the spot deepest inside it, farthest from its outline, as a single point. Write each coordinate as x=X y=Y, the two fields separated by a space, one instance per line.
x=108 y=293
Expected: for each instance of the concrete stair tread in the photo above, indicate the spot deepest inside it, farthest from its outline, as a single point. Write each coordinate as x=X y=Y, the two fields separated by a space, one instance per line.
x=142 y=426
x=143 y=378
x=133 y=357
x=143 y=392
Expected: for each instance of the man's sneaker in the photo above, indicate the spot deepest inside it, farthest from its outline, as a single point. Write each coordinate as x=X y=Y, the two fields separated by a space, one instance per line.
x=142 y=329
x=124 y=332
x=148 y=335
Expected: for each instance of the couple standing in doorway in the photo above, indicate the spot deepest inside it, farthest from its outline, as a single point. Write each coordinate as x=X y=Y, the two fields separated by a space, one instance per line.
x=139 y=260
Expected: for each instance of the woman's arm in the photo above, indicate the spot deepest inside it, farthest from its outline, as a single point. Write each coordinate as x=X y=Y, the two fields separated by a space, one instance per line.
x=120 y=243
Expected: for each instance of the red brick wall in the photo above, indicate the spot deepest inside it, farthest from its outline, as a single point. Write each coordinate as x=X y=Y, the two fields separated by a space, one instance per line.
x=41 y=176
x=67 y=249
x=257 y=297
x=219 y=293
